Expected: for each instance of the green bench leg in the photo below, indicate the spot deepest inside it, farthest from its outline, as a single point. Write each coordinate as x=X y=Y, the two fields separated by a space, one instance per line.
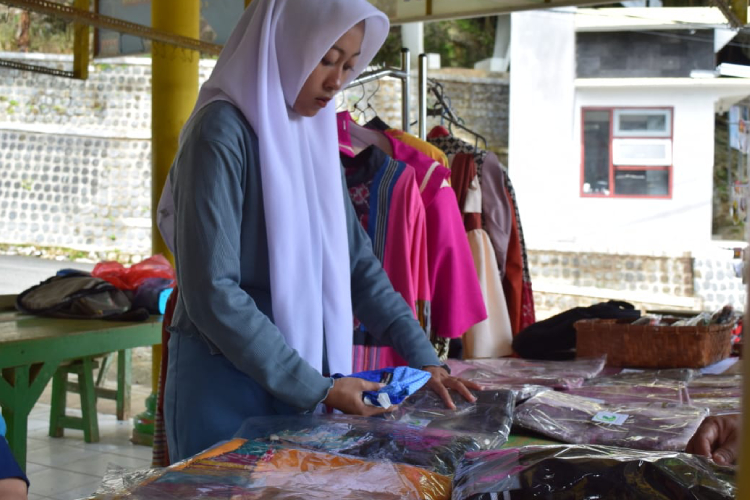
x=124 y=379
x=88 y=401
x=59 y=400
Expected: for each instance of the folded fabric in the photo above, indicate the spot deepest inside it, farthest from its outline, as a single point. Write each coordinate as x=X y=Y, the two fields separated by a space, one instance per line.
x=249 y=469
x=439 y=450
x=400 y=383
x=577 y=420
x=488 y=419
x=514 y=372
x=624 y=394
x=589 y=472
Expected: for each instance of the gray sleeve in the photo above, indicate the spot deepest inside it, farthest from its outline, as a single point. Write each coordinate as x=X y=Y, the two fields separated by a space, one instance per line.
x=377 y=305
x=496 y=209
x=209 y=198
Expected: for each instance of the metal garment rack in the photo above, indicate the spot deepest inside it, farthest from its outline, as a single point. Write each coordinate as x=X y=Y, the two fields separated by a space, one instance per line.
x=404 y=74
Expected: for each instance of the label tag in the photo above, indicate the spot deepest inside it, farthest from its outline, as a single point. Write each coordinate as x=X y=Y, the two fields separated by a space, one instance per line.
x=415 y=421
x=607 y=417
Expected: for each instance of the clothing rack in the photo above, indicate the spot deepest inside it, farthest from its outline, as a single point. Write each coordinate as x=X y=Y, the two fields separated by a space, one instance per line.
x=404 y=74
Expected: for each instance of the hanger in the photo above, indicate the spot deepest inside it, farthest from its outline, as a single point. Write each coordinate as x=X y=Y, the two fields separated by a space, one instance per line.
x=360 y=111
x=442 y=108
x=369 y=104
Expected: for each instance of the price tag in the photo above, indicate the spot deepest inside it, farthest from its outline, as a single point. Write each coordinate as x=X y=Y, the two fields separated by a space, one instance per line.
x=607 y=417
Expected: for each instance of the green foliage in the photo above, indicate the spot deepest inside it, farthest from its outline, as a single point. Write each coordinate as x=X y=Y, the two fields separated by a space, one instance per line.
x=460 y=43
x=725 y=165
x=48 y=34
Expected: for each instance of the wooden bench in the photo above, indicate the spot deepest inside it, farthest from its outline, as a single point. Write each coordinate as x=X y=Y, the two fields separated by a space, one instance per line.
x=32 y=349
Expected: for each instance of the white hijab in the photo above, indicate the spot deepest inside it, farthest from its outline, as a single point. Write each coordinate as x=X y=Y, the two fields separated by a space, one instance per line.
x=261 y=70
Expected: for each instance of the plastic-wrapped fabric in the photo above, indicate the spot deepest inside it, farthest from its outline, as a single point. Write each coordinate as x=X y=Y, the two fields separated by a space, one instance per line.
x=721 y=394
x=718 y=400
x=722 y=380
x=506 y=372
x=372 y=438
x=489 y=379
x=720 y=406
x=246 y=470
x=488 y=419
x=528 y=368
x=673 y=377
x=577 y=420
x=590 y=473
x=624 y=394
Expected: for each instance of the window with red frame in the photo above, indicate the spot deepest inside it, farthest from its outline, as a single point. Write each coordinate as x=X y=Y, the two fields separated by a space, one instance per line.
x=627 y=152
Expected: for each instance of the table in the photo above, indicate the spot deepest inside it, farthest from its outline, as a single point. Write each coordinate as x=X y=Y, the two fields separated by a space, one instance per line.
x=32 y=348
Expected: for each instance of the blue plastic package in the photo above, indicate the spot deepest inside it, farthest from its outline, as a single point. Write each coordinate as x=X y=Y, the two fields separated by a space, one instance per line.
x=400 y=383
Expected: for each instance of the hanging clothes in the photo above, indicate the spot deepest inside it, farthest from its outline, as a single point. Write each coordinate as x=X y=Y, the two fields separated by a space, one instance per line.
x=492 y=337
x=456 y=297
x=496 y=211
x=422 y=146
x=513 y=279
x=387 y=203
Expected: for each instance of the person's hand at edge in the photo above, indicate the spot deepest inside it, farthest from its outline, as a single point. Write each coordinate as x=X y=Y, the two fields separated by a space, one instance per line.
x=717 y=438
x=441 y=381
x=346 y=396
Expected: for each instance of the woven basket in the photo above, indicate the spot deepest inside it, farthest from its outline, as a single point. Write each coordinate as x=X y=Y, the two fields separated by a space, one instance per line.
x=646 y=346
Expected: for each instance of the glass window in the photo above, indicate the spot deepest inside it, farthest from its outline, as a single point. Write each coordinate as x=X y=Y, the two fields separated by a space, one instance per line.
x=642 y=182
x=596 y=156
x=643 y=123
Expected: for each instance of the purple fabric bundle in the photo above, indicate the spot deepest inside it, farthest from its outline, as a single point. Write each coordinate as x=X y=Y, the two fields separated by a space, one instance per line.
x=719 y=393
x=507 y=372
x=625 y=394
x=578 y=420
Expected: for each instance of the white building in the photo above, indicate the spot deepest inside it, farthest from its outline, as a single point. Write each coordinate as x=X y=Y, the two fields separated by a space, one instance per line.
x=612 y=111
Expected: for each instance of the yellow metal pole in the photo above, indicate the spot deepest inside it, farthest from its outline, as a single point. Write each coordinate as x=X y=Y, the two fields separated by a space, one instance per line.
x=81 y=44
x=247 y=3
x=174 y=82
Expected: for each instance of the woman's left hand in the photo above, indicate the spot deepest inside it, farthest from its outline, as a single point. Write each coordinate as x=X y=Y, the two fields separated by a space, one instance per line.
x=441 y=381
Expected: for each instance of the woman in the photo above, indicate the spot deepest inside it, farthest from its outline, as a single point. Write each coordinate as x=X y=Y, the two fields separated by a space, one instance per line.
x=269 y=254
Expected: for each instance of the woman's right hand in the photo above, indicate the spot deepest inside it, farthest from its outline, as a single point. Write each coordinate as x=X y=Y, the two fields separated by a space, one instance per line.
x=346 y=396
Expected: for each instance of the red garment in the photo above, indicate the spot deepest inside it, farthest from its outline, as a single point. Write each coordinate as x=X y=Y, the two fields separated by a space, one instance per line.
x=513 y=279
x=463 y=173
x=160 y=453
x=438 y=131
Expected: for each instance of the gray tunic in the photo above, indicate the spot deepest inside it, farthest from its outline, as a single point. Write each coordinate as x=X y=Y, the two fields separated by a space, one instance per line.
x=221 y=254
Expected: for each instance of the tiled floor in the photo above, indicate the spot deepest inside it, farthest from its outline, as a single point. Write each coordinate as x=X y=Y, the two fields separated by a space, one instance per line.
x=68 y=468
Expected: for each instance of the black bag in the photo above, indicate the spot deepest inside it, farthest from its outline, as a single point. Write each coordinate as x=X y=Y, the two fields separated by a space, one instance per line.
x=78 y=295
x=555 y=337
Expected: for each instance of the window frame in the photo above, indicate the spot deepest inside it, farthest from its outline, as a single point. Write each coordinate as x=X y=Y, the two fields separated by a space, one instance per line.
x=669 y=110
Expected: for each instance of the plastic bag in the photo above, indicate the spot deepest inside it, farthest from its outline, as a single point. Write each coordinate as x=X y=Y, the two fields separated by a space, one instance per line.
x=722 y=380
x=590 y=473
x=673 y=377
x=372 y=438
x=624 y=394
x=529 y=369
x=488 y=419
x=255 y=470
x=577 y=420
x=130 y=278
x=506 y=372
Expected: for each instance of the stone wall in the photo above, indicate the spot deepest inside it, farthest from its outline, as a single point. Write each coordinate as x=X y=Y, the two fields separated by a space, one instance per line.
x=75 y=156
x=480 y=98
x=563 y=280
